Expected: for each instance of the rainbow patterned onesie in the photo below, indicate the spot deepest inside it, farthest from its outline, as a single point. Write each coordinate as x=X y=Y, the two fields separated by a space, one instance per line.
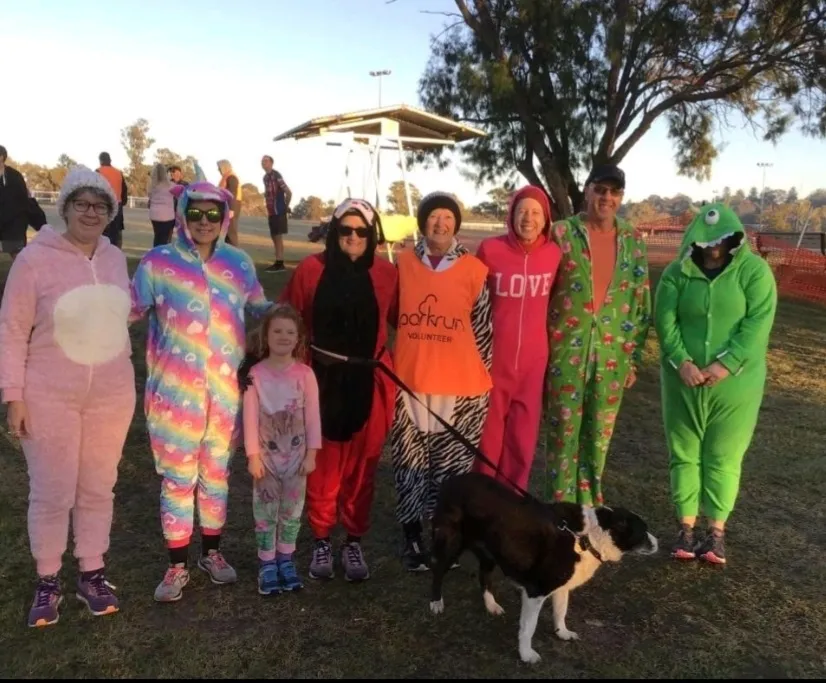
x=195 y=344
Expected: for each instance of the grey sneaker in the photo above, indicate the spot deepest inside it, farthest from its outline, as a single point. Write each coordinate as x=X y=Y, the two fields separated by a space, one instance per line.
x=172 y=587
x=46 y=603
x=217 y=567
x=685 y=544
x=713 y=548
x=321 y=566
x=352 y=559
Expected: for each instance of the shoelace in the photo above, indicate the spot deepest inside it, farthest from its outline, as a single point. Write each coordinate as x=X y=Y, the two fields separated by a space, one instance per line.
x=288 y=570
x=100 y=586
x=354 y=554
x=173 y=574
x=218 y=560
x=322 y=553
x=45 y=591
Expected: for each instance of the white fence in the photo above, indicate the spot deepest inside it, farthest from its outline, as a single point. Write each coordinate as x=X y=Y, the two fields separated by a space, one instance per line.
x=44 y=197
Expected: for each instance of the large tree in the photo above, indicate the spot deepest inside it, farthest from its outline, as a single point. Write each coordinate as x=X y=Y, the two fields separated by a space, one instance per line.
x=560 y=85
x=136 y=141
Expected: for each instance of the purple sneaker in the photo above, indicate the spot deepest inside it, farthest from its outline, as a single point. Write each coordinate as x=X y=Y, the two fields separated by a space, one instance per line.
x=47 y=599
x=96 y=593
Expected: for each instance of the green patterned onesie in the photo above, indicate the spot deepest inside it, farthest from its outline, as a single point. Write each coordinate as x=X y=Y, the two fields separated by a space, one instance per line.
x=592 y=354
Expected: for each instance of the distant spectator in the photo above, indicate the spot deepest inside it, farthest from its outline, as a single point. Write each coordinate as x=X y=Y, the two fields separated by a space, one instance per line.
x=161 y=205
x=14 y=207
x=278 y=197
x=114 y=231
x=176 y=175
x=229 y=181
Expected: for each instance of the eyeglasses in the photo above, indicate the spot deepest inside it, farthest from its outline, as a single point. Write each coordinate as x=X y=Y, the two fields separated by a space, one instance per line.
x=82 y=206
x=602 y=189
x=345 y=231
x=195 y=215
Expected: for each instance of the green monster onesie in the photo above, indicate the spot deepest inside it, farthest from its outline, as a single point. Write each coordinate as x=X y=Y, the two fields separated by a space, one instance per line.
x=706 y=317
x=593 y=352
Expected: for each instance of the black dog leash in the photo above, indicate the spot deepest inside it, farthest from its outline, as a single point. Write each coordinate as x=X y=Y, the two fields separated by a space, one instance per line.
x=374 y=362
x=584 y=541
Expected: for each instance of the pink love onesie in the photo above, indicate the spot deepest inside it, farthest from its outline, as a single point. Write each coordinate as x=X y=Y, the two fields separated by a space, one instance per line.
x=520 y=280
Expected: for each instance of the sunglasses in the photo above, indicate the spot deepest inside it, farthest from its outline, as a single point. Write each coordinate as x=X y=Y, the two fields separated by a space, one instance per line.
x=195 y=215
x=345 y=231
x=602 y=189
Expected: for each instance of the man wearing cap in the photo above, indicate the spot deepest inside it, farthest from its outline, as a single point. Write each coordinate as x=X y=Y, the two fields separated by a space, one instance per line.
x=599 y=317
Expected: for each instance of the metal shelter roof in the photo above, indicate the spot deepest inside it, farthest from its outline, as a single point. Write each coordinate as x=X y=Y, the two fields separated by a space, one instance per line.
x=415 y=128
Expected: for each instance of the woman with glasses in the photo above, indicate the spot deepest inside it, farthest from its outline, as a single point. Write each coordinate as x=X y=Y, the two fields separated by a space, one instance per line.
x=346 y=297
x=69 y=385
x=196 y=291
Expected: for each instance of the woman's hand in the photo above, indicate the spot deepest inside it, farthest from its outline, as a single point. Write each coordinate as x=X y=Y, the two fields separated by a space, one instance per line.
x=715 y=373
x=18 y=419
x=691 y=375
x=255 y=465
x=309 y=463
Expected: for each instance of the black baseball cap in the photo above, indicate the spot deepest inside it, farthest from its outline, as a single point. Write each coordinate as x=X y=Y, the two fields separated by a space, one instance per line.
x=607 y=172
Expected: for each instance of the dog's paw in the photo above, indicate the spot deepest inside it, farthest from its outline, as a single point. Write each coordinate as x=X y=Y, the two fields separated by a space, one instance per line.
x=437 y=606
x=491 y=605
x=565 y=634
x=529 y=656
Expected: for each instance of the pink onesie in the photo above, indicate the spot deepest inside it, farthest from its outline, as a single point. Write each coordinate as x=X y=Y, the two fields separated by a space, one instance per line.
x=520 y=280
x=281 y=421
x=66 y=353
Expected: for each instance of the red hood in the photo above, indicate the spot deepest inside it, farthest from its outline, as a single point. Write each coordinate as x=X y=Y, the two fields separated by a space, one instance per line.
x=539 y=195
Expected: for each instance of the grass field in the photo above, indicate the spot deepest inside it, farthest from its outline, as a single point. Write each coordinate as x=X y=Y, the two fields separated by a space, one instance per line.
x=764 y=616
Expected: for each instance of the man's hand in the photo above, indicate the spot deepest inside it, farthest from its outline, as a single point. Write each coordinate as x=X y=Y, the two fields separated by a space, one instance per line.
x=691 y=375
x=255 y=465
x=17 y=417
x=715 y=373
x=631 y=379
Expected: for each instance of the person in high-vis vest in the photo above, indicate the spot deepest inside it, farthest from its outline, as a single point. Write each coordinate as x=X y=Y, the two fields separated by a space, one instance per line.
x=231 y=183
x=114 y=231
x=443 y=352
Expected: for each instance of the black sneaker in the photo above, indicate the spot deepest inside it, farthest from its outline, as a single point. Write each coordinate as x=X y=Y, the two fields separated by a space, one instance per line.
x=684 y=548
x=713 y=548
x=414 y=554
x=276 y=267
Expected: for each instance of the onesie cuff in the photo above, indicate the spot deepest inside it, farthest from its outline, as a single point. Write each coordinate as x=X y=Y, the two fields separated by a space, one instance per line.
x=729 y=362
x=12 y=394
x=677 y=360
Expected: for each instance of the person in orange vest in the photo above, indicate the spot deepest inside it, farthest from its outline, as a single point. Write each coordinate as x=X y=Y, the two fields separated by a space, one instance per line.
x=114 y=231
x=230 y=182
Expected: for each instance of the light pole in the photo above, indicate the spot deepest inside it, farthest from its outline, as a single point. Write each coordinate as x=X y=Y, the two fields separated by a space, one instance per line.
x=764 y=165
x=379 y=74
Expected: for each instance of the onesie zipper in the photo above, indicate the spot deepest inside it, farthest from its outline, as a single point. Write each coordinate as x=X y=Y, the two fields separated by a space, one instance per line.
x=522 y=310
x=91 y=262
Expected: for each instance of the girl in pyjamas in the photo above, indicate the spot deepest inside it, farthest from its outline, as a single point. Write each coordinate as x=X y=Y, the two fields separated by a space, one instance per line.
x=67 y=377
x=196 y=291
x=282 y=432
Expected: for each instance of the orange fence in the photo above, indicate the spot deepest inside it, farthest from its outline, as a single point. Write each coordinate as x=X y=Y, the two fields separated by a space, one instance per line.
x=800 y=271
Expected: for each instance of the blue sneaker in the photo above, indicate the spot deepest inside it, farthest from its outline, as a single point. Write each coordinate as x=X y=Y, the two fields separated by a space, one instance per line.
x=268 y=583
x=289 y=576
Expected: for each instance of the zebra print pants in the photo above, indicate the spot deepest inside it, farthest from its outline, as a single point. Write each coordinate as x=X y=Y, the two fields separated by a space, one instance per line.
x=425 y=454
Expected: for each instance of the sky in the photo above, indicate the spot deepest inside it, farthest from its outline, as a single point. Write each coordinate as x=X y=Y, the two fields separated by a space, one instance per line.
x=221 y=79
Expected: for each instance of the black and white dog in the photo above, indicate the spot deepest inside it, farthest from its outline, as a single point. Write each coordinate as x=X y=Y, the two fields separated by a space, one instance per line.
x=545 y=549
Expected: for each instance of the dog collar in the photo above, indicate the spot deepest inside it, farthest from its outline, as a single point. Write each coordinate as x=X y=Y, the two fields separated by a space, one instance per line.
x=585 y=543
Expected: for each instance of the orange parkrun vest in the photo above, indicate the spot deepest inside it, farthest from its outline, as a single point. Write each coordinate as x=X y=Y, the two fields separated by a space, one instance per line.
x=435 y=351
x=115 y=178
